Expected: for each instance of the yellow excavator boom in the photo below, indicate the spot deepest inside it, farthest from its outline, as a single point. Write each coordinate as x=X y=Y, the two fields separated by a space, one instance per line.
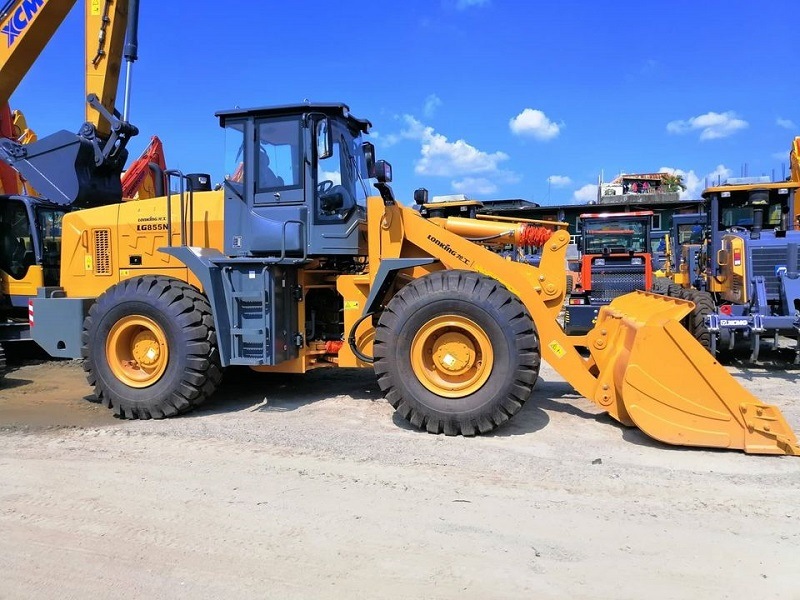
x=28 y=25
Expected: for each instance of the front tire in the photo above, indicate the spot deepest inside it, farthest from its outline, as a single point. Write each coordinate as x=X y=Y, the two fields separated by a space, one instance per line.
x=456 y=353
x=696 y=320
x=150 y=348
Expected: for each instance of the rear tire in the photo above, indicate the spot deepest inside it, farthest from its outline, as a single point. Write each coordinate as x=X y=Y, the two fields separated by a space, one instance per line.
x=696 y=320
x=2 y=362
x=456 y=353
x=150 y=348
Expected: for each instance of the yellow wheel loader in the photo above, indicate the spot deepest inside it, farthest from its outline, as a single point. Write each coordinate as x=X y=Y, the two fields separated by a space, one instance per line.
x=292 y=265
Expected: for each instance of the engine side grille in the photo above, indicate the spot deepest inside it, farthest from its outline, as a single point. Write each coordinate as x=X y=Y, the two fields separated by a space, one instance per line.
x=102 y=251
x=764 y=262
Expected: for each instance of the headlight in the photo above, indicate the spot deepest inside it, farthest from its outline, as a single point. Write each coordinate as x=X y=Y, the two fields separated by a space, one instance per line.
x=637 y=260
x=600 y=261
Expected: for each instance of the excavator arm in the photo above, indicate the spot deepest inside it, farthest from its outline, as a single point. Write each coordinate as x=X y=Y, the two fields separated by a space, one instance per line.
x=73 y=169
x=28 y=26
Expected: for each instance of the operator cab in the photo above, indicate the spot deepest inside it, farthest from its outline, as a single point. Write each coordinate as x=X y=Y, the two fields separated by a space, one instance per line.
x=735 y=207
x=30 y=244
x=296 y=181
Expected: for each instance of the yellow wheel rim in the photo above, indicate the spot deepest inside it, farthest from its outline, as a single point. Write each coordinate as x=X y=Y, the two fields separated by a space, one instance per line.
x=452 y=356
x=137 y=352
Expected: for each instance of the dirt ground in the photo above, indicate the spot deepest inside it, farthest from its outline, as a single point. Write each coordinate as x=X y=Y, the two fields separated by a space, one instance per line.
x=308 y=487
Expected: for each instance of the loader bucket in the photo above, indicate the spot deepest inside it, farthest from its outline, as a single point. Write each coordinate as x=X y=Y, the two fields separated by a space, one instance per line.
x=655 y=375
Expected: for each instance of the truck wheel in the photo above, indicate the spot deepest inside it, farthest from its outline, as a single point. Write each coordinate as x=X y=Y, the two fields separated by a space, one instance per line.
x=696 y=320
x=2 y=362
x=150 y=348
x=456 y=353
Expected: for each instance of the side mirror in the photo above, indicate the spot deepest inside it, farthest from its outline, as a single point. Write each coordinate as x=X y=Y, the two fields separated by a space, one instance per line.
x=369 y=158
x=324 y=139
x=420 y=196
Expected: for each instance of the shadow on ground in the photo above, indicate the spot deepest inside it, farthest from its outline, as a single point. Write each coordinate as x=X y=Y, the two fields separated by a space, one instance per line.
x=244 y=389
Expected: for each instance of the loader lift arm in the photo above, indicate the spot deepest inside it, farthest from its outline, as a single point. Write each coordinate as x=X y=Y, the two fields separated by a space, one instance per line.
x=618 y=365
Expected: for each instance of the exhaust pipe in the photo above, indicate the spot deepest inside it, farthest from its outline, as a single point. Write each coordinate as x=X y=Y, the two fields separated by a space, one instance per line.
x=758 y=199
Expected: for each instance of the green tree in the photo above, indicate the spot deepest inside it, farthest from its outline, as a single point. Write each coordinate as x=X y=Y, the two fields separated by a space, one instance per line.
x=672 y=182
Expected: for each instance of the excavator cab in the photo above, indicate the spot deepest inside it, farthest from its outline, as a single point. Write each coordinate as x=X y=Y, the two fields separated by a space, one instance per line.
x=30 y=247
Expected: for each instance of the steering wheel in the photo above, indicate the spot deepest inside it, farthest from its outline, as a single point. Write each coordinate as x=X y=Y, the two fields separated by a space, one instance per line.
x=325 y=186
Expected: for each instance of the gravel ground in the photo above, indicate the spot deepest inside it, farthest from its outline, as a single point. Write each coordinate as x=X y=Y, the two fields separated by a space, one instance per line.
x=308 y=487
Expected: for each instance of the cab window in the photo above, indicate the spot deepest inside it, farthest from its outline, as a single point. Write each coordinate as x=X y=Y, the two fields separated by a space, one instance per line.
x=16 y=245
x=278 y=155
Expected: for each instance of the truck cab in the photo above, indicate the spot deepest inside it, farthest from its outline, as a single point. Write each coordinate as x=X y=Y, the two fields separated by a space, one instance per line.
x=615 y=260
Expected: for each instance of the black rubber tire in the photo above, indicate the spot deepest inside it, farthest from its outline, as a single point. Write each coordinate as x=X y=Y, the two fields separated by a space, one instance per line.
x=674 y=290
x=2 y=362
x=660 y=285
x=183 y=313
x=502 y=317
x=696 y=320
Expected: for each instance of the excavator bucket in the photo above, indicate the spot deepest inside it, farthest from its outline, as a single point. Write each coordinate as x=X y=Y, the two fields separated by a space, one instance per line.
x=65 y=169
x=655 y=375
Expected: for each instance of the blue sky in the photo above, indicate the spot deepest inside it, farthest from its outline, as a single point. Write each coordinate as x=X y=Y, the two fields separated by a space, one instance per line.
x=490 y=98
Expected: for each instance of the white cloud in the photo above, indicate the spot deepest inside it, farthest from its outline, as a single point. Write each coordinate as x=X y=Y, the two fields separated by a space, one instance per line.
x=587 y=193
x=432 y=102
x=443 y=158
x=333 y=176
x=474 y=186
x=480 y=171
x=695 y=184
x=785 y=123
x=711 y=125
x=559 y=180
x=463 y=4
x=534 y=123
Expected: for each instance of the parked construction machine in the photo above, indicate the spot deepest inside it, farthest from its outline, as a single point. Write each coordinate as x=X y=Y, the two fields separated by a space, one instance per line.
x=739 y=266
x=615 y=260
x=287 y=268
x=42 y=179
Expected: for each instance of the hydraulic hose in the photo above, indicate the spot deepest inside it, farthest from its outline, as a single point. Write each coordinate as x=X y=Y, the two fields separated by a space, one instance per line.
x=351 y=340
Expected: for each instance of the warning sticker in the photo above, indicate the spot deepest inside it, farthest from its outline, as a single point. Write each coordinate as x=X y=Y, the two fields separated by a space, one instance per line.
x=351 y=304
x=557 y=349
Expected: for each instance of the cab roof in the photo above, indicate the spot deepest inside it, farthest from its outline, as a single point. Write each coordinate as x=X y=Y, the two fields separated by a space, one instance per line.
x=329 y=109
x=748 y=187
x=617 y=215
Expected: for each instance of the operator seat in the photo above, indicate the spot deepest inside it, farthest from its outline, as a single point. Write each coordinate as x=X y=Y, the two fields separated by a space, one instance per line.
x=12 y=253
x=266 y=177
